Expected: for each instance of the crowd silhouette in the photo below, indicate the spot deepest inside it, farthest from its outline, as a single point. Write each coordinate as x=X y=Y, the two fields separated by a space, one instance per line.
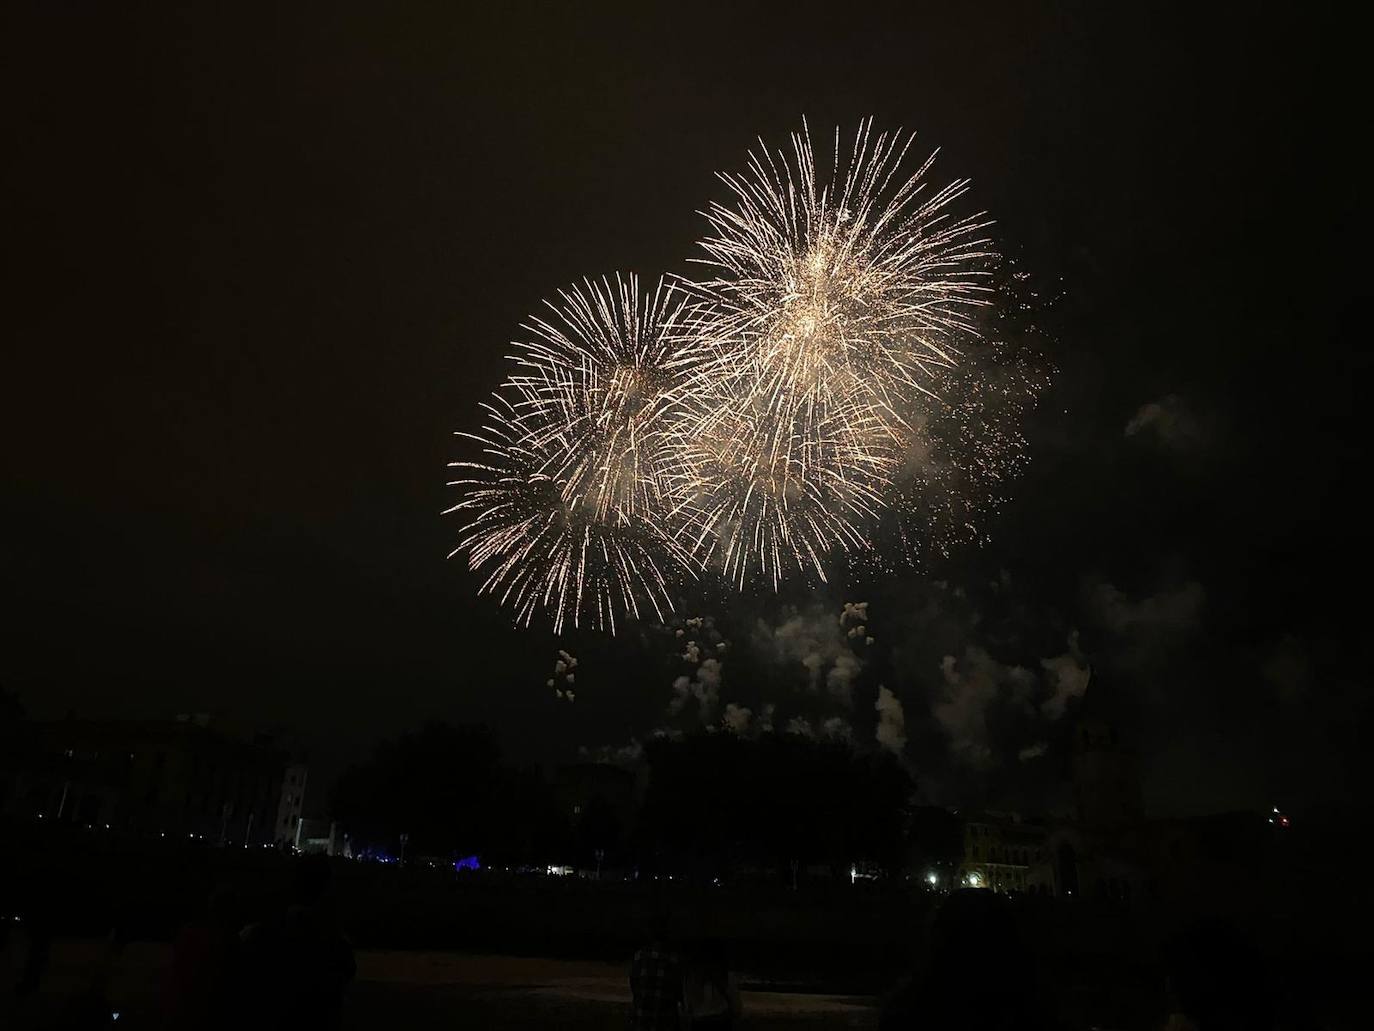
x=289 y=965
x=287 y=969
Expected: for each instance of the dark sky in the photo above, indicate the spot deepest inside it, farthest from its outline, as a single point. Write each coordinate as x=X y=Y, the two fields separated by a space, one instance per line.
x=269 y=261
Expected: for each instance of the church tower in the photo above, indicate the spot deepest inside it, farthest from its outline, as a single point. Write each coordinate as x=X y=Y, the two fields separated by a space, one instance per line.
x=1106 y=776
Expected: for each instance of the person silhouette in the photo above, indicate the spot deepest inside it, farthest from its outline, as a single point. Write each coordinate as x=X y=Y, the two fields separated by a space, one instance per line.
x=201 y=986
x=978 y=975
x=297 y=964
x=1212 y=971
x=656 y=981
x=710 y=994
x=27 y=902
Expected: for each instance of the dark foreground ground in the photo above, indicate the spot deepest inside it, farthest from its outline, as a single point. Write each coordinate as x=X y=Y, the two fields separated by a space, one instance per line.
x=436 y=949
x=437 y=990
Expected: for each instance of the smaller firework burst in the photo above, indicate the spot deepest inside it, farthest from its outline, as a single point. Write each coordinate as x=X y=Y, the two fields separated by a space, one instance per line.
x=564 y=508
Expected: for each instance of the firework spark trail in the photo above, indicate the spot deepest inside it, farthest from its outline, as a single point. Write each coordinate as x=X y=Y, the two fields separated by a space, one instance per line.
x=834 y=302
x=564 y=509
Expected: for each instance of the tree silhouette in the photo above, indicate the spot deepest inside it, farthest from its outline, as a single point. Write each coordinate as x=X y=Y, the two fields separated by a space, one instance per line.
x=717 y=802
x=441 y=785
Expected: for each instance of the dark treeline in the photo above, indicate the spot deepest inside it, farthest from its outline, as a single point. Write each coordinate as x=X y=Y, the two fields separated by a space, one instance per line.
x=709 y=805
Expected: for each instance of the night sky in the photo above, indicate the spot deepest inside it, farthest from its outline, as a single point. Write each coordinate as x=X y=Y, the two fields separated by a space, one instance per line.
x=268 y=263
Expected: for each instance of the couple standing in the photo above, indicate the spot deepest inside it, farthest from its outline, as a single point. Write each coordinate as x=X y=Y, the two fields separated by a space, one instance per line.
x=675 y=988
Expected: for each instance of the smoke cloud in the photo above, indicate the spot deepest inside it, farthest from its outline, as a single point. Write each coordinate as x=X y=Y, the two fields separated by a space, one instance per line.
x=837 y=728
x=1169 y=422
x=737 y=718
x=891 y=732
x=972 y=687
x=704 y=687
x=563 y=677
x=615 y=755
x=1169 y=610
x=1288 y=669
x=1068 y=675
x=820 y=643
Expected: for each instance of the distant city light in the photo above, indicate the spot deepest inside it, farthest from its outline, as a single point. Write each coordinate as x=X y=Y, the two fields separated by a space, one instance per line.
x=468 y=863
x=559 y=871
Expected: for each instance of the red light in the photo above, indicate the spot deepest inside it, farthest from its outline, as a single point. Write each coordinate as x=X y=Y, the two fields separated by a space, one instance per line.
x=1283 y=821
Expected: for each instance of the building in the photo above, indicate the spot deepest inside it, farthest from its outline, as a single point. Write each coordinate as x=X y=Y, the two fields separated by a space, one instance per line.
x=320 y=837
x=1099 y=853
x=180 y=776
x=290 y=808
x=1106 y=777
x=1004 y=853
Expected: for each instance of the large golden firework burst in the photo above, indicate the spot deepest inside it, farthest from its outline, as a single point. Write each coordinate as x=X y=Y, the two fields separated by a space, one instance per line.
x=834 y=299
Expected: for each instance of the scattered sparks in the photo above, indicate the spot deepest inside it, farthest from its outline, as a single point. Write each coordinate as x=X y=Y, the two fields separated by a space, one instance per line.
x=963 y=454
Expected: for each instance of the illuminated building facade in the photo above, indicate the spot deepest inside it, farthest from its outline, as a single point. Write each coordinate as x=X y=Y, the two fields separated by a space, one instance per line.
x=1003 y=853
